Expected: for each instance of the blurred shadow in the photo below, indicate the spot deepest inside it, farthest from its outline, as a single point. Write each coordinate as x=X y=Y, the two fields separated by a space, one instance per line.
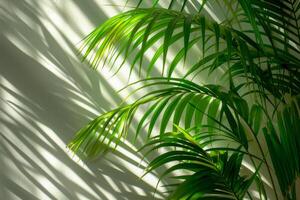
x=40 y=113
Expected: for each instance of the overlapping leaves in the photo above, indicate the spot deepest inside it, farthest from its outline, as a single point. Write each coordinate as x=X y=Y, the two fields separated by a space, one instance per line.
x=205 y=174
x=283 y=140
x=257 y=46
x=177 y=99
x=262 y=66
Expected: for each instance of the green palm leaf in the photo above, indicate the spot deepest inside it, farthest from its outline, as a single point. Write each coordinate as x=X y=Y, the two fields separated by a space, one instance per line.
x=199 y=102
x=283 y=143
x=254 y=46
x=142 y=28
x=208 y=175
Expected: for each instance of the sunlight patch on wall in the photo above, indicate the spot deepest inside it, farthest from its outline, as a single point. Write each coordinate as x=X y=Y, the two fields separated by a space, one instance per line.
x=43 y=60
x=211 y=12
x=62 y=14
x=85 y=106
x=110 y=7
x=252 y=169
x=139 y=191
x=149 y=178
x=47 y=156
x=111 y=183
x=63 y=147
x=48 y=185
x=63 y=169
x=107 y=194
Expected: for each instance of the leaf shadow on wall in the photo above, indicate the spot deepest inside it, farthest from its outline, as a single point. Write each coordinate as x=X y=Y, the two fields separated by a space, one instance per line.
x=39 y=115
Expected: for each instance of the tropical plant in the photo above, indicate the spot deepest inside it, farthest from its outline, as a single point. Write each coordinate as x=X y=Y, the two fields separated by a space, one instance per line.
x=213 y=131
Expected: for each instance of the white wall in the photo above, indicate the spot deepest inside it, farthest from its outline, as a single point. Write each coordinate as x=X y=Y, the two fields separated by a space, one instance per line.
x=46 y=95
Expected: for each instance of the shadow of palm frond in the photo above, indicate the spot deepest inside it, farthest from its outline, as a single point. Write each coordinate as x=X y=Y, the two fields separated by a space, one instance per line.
x=46 y=95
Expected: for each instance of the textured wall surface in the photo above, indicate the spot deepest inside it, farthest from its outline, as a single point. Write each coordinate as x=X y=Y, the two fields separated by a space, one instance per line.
x=46 y=95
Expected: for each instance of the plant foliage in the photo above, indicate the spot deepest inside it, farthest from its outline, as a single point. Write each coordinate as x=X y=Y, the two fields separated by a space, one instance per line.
x=209 y=129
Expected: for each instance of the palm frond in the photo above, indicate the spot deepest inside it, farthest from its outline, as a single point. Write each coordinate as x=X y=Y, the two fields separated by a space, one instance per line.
x=142 y=28
x=171 y=4
x=283 y=140
x=223 y=46
x=204 y=175
x=280 y=21
x=275 y=25
x=176 y=97
x=256 y=46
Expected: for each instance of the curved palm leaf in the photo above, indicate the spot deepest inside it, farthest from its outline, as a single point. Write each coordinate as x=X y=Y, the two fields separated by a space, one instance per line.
x=283 y=140
x=257 y=45
x=172 y=4
x=217 y=115
x=176 y=97
x=206 y=175
x=143 y=28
